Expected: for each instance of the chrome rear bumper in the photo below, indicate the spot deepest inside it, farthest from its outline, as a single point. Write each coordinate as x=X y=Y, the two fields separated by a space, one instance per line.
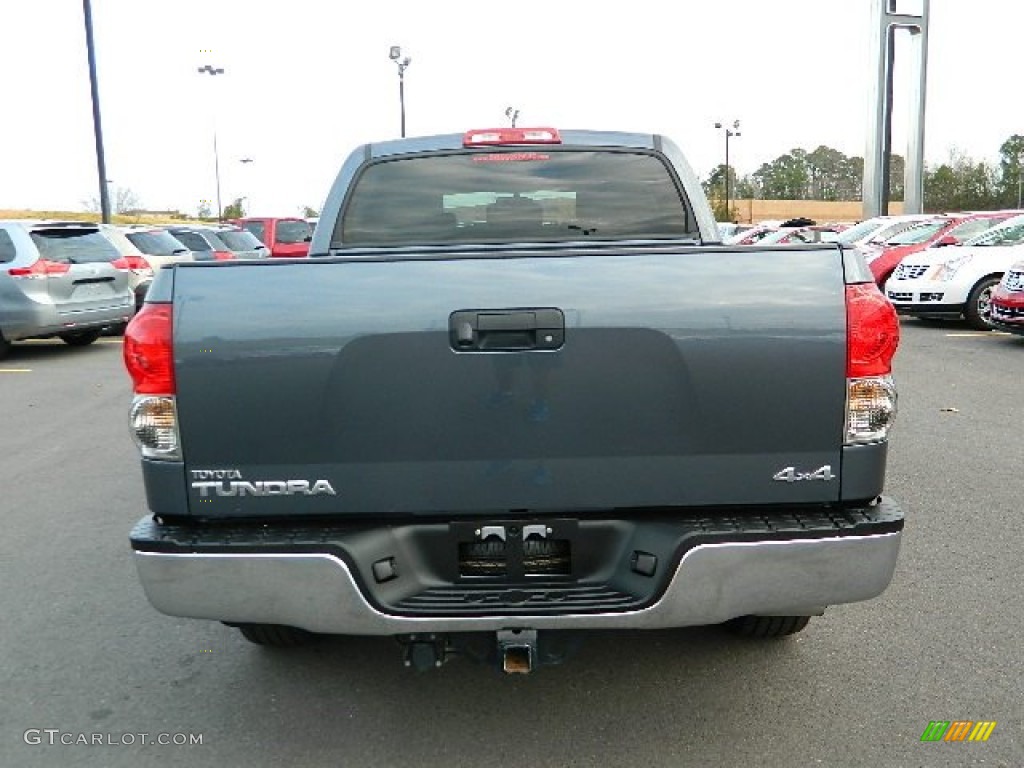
x=711 y=584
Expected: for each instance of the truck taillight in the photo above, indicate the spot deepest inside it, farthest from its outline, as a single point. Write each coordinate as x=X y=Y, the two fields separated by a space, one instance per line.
x=872 y=331
x=223 y=255
x=149 y=358
x=148 y=351
x=872 y=335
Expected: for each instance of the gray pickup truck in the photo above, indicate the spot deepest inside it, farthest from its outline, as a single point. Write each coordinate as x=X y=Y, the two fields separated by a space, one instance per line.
x=518 y=387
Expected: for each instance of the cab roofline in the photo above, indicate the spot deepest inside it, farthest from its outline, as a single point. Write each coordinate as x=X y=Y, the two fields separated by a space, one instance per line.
x=454 y=141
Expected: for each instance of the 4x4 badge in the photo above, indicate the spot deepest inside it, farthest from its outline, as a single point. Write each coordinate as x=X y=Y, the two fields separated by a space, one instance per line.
x=790 y=475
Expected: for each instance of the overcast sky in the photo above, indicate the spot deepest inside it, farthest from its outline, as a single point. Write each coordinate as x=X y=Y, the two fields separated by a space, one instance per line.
x=307 y=80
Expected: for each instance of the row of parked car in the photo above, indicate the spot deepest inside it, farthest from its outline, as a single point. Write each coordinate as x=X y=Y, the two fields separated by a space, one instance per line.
x=74 y=280
x=966 y=265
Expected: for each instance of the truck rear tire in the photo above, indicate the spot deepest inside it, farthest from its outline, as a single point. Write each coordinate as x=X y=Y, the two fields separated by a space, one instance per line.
x=275 y=635
x=767 y=626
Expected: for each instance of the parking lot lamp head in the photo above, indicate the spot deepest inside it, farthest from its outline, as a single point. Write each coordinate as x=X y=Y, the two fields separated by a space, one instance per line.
x=396 y=56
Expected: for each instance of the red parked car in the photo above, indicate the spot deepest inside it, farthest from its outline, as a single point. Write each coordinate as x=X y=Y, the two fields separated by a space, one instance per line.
x=286 y=237
x=1007 y=303
x=943 y=230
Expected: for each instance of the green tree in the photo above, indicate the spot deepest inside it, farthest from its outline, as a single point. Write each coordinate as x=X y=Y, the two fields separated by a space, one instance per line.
x=747 y=188
x=787 y=177
x=961 y=184
x=1011 y=178
x=714 y=188
x=851 y=185
x=235 y=209
x=205 y=210
x=826 y=168
x=897 y=169
x=310 y=213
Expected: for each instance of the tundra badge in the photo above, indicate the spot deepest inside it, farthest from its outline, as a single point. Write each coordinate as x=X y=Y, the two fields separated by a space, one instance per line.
x=229 y=482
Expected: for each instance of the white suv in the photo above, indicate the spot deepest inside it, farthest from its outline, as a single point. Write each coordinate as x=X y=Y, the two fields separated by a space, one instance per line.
x=957 y=282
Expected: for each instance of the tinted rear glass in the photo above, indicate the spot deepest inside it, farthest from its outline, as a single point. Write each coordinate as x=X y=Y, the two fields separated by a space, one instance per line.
x=291 y=232
x=7 y=249
x=195 y=241
x=533 y=196
x=192 y=241
x=74 y=245
x=156 y=243
x=240 y=241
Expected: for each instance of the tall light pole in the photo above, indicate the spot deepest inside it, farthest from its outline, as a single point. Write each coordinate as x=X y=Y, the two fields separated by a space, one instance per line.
x=402 y=64
x=512 y=114
x=101 y=163
x=729 y=133
x=207 y=69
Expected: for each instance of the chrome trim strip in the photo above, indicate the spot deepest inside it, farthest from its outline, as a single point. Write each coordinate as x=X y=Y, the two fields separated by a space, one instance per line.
x=713 y=583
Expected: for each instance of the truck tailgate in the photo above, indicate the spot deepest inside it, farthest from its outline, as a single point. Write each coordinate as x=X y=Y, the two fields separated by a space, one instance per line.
x=651 y=378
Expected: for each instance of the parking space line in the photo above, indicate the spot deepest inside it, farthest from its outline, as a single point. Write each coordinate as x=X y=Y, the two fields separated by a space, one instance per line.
x=977 y=335
x=109 y=341
x=15 y=370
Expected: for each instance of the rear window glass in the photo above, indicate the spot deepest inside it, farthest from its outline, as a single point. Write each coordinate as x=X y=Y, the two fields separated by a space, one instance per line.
x=1009 y=234
x=886 y=233
x=918 y=234
x=194 y=241
x=969 y=229
x=533 y=196
x=156 y=243
x=257 y=228
x=74 y=245
x=239 y=241
x=291 y=232
x=857 y=231
x=7 y=249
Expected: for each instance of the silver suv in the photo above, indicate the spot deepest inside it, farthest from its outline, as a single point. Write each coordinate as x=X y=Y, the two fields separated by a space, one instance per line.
x=58 y=280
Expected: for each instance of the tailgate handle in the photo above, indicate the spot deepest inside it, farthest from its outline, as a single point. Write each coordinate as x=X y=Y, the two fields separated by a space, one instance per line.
x=506 y=330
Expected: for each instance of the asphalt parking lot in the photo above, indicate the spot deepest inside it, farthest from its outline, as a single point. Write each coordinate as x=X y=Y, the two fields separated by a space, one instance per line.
x=82 y=653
